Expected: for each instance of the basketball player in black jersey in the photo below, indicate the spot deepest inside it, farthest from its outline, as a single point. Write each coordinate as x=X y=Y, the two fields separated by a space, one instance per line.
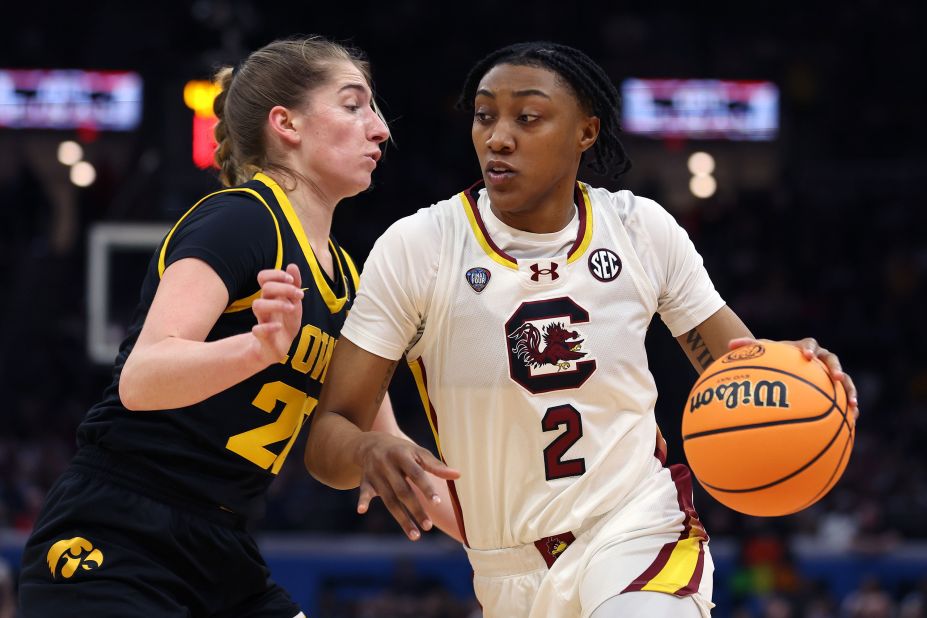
x=239 y=314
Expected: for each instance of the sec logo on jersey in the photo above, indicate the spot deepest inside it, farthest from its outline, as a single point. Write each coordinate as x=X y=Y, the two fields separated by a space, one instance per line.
x=604 y=264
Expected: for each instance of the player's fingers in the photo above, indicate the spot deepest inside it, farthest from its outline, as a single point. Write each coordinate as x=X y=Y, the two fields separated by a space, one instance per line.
x=411 y=504
x=809 y=347
x=274 y=274
x=293 y=271
x=733 y=344
x=265 y=331
x=394 y=506
x=833 y=364
x=852 y=395
x=421 y=487
x=398 y=480
x=437 y=467
x=424 y=520
x=416 y=475
x=264 y=308
x=367 y=493
x=277 y=289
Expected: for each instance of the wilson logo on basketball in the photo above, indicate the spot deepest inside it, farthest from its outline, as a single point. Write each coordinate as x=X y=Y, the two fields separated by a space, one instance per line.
x=66 y=556
x=745 y=353
x=765 y=393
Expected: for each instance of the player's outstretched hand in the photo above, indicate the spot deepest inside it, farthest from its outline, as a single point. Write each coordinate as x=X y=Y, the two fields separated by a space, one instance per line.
x=279 y=312
x=390 y=466
x=812 y=349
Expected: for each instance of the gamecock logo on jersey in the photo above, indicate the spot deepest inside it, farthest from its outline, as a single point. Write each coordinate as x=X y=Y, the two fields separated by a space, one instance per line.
x=544 y=349
x=560 y=345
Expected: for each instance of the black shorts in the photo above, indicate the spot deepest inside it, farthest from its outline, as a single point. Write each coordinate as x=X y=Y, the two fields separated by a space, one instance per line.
x=102 y=549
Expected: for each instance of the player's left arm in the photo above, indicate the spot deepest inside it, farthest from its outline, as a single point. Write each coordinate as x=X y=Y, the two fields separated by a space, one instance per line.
x=441 y=514
x=724 y=331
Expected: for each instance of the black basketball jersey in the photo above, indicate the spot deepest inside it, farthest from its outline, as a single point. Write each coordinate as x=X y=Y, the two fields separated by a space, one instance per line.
x=226 y=450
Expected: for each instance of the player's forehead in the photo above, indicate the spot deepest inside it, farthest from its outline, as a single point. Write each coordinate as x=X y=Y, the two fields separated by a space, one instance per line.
x=344 y=77
x=522 y=80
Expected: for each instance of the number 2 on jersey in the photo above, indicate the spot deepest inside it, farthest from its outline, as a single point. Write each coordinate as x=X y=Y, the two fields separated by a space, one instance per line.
x=555 y=467
x=251 y=444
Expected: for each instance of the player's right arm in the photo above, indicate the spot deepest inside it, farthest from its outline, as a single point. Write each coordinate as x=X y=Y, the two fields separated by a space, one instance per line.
x=391 y=306
x=441 y=513
x=702 y=324
x=171 y=364
x=343 y=453
x=217 y=252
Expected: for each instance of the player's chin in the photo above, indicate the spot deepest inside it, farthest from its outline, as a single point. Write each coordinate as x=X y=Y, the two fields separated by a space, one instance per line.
x=509 y=197
x=361 y=183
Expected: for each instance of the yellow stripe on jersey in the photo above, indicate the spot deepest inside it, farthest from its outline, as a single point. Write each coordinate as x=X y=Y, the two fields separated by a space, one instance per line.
x=680 y=567
x=342 y=268
x=419 y=375
x=352 y=269
x=481 y=238
x=486 y=244
x=244 y=303
x=333 y=302
x=587 y=235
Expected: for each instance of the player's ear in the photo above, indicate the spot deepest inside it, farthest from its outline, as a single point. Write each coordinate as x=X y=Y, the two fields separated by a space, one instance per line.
x=589 y=132
x=282 y=123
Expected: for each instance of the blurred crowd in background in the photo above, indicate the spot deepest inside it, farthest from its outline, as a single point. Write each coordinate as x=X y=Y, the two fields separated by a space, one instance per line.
x=832 y=247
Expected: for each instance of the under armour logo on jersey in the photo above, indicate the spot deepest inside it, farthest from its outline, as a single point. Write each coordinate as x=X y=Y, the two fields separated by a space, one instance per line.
x=544 y=272
x=71 y=554
x=478 y=278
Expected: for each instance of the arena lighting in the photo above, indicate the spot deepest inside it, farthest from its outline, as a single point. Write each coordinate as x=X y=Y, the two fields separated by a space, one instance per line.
x=708 y=109
x=703 y=186
x=199 y=95
x=701 y=164
x=83 y=174
x=69 y=99
x=69 y=152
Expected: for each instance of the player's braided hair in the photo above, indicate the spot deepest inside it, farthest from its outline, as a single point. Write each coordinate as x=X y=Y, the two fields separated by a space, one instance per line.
x=588 y=80
x=284 y=73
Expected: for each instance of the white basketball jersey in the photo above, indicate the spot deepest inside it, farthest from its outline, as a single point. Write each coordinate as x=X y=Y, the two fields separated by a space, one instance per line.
x=533 y=372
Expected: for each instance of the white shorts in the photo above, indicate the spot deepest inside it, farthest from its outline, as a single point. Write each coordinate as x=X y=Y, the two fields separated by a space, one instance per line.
x=653 y=542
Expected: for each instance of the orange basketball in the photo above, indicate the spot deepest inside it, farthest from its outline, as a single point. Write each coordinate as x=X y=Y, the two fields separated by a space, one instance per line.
x=766 y=431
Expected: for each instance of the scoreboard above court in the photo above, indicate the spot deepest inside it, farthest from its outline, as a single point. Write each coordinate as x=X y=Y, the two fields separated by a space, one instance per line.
x=70 y=99
x=701 y=109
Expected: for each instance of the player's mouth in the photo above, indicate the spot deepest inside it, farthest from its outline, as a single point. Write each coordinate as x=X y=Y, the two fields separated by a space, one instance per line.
x=499 y=172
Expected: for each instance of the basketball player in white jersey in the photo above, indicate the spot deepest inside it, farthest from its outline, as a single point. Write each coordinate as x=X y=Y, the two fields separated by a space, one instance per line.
x=522 y=308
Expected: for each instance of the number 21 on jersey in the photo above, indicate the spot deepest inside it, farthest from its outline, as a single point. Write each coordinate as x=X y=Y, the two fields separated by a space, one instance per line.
x=251 y=444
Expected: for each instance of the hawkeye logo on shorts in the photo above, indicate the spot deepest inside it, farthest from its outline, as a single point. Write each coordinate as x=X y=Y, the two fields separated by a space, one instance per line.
x=71 y=554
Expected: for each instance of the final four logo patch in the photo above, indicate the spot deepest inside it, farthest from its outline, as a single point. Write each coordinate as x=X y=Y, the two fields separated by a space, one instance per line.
x=478 y=278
